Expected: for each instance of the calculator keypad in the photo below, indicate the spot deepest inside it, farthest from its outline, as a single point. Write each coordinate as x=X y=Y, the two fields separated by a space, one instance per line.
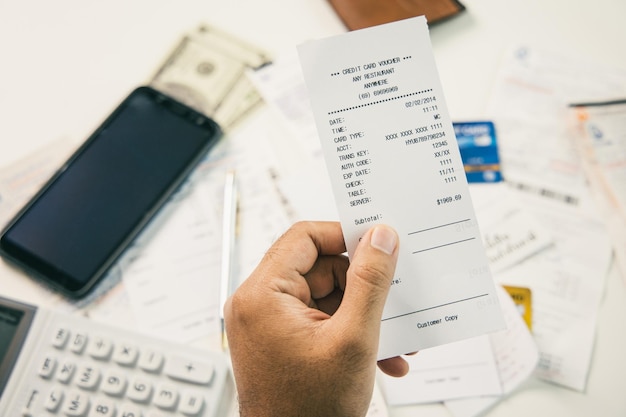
x=82 y=374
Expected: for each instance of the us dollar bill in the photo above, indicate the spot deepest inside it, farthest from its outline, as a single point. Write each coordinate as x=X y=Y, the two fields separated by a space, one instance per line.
x=207 y=71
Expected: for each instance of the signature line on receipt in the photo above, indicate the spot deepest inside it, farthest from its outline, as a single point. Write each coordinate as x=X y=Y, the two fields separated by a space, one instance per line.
x=433 y=307
x=437 y=227
x=441 y=246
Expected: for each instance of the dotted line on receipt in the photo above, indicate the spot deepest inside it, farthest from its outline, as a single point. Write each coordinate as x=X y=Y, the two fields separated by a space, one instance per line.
x=380 y=101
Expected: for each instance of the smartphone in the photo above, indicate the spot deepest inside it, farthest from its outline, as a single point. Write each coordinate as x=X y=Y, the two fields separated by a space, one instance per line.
x=80 y=222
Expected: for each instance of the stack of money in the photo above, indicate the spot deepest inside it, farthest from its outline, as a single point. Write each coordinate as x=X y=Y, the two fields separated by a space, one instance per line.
x=206 y=70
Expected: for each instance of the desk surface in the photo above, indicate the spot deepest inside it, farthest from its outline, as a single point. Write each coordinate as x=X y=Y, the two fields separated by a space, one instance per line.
x=66 y=63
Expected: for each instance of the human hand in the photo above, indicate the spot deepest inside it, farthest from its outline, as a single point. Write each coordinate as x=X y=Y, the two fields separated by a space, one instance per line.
x=303 y=329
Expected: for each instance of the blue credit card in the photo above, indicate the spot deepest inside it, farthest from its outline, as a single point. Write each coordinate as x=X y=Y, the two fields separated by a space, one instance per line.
x=479 y=150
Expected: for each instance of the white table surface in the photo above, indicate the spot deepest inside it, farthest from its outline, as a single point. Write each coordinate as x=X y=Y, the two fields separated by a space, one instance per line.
x=64 y=64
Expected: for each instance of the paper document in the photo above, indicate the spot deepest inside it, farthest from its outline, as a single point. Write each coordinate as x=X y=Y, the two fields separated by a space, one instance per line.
x=174 y=280
x=462 y=369
x=516 y=356
x=510 y=233
x=392 y=158
x=600 y=137
x=540 y=159
x=529 y=105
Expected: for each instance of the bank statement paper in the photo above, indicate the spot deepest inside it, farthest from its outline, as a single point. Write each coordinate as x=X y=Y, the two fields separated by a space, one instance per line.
x=392 y=157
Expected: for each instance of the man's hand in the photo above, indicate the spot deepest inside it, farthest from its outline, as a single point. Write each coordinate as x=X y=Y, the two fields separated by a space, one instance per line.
x=303 y=328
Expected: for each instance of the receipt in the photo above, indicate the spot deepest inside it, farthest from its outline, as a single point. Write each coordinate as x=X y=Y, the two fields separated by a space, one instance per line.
x=392 y=157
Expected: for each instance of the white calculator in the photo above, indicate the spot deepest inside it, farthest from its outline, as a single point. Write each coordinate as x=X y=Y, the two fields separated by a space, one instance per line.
x=56 y=364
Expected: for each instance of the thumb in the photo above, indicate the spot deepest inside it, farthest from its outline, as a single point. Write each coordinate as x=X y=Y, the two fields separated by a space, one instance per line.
x=369 y=277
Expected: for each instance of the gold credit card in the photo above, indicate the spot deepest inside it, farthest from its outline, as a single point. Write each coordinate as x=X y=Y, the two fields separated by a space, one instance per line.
x=523 y=301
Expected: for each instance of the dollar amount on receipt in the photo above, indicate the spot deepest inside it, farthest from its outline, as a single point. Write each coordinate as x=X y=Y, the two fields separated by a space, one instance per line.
x=393 y=158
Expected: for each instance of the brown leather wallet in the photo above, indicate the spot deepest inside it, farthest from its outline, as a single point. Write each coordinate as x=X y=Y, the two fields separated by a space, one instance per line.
x=358 y=14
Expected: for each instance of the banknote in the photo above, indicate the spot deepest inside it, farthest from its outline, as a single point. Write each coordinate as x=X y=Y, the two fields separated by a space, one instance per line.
x=243 y=97
x=207 y=70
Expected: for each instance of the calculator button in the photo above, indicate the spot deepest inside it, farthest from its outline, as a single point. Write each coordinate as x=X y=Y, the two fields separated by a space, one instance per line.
x=78 y=343
x=187 y=370
x=53 y=401
x=76 y=405
x=125 y=355
x=156 y=413
x=60 y=337
x=151 y=361
x=47 y=367
x=139 y=390
x=100 y=348
x=113 y=384
x=191 y=404
x=88 y=377
x=32 y=405
x=102 y=407
x=166 y=397
x=64 y=375
x=130 y=410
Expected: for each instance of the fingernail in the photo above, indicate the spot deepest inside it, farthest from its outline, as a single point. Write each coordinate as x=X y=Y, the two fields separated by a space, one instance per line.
x=384 y=239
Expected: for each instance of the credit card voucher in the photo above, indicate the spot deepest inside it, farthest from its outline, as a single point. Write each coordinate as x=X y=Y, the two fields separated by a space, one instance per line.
x=392 y=157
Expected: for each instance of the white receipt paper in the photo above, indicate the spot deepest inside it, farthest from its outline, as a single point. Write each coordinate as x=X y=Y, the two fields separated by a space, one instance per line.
x=392 y=157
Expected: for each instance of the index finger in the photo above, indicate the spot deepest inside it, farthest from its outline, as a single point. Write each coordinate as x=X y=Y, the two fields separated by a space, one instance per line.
x=293 y=255
x=300 y=246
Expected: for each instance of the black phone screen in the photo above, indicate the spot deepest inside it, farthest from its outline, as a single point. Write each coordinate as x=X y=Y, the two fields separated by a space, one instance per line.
x=79 y=223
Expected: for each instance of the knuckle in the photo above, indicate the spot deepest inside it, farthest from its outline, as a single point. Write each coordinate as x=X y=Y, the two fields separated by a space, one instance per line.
x=299 y=228
x=372 y=274
x=239 y=309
